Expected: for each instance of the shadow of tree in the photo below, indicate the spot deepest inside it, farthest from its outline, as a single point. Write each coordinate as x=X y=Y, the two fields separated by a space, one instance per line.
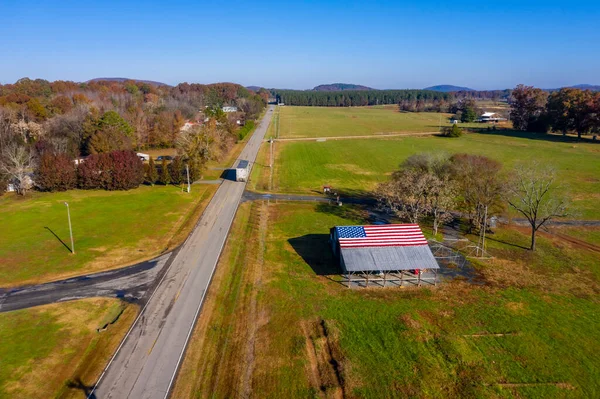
x=533 y=136
x=355 y=213
x=79 y=385
x=315 y=250
x=58 y=238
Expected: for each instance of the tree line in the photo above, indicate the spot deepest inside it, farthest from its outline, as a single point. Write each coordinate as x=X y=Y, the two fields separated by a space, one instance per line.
x=353 y=98
x=438 y=186
x=66 y=120
x=565 y=110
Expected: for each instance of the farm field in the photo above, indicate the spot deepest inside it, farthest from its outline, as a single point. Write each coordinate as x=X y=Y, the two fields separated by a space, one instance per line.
x=110 y=229
x=300 y=122
x=357 y=166
x=277 y=325
x=56 y=350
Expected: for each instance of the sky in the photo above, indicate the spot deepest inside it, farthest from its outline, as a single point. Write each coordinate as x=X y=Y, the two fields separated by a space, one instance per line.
x=301 y=44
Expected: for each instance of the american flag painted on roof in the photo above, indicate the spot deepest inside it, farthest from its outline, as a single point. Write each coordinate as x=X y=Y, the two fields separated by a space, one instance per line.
x=386 y=235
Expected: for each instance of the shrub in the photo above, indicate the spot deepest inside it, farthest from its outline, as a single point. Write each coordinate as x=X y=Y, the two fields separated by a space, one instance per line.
x=453 y=131
x=55 y=172
x=117 y=170
x=127 y=170
x=151 y=173
x=95 y=172
x=165 y=177
x=176 y=171
x=244 y=130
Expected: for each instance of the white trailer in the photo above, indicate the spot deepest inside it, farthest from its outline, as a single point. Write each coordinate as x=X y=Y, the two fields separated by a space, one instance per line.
x=242 y=170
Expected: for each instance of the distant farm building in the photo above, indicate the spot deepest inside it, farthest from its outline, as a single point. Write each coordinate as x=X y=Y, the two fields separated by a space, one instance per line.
x=383 y=255
x=488 y=117
x=188 y=125
x=230 y=109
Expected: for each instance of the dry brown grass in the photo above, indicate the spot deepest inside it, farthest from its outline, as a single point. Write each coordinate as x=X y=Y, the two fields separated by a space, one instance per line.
x=81 y=352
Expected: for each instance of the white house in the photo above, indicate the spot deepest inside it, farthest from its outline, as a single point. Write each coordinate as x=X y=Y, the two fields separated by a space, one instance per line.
x=490 y=117
x=229 y=109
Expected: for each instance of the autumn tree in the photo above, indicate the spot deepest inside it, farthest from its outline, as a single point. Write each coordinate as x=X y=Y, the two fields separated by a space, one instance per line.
x=533 y=193
x=55 y=172
x=95 y=172
x=111 y=133
x=127 y=170
x=527 y=105
x=570 y=110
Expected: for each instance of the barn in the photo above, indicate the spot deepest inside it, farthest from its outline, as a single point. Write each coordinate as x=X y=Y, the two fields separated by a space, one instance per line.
x=383 y=255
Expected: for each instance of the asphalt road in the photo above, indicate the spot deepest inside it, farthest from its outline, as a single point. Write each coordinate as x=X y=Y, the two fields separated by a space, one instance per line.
x=133 y=284
x=146 y=363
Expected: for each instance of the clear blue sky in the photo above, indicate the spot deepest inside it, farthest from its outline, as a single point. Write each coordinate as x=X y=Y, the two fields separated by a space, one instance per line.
x=383 y=44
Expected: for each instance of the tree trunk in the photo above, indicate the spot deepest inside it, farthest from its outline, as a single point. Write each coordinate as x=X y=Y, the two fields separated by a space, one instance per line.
x=533 y=231
x=435 y=226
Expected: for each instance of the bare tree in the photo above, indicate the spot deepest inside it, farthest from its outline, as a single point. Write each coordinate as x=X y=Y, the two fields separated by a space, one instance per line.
x=532 y=193
x=406 y=194
x=440 y=194
x=480 y=186
x=16 y=163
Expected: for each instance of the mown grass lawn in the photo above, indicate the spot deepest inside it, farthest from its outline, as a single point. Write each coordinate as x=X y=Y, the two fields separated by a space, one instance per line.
x=530 y=331
x=358 y=165
x=110 y=229
x=47 y=348
x=298 y=122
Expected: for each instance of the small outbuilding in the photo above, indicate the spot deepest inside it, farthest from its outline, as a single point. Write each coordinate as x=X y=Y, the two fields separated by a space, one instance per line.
x=384 y=255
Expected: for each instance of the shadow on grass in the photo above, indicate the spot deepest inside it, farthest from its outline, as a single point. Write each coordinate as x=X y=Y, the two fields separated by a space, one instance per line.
x=557 y=138
x=315 y=250
x=506 y=243
x=356 y=213
x=79 y=385
x=58 y=238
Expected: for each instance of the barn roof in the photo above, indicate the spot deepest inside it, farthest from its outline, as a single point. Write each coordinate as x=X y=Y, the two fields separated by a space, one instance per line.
x=383 y=247
x=388 y=258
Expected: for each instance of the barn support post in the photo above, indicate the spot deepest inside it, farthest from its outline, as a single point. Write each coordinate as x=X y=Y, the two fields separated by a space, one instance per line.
x=367 y=276
x=401 y=278
x=435 y=277
x=384 y=278
x=419 y=278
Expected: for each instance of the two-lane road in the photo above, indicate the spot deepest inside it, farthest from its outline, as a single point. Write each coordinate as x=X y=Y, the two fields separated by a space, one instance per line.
x=146 y=363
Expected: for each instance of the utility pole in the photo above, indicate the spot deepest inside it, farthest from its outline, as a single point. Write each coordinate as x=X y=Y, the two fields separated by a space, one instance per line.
x=187 y=171
x=70 y=228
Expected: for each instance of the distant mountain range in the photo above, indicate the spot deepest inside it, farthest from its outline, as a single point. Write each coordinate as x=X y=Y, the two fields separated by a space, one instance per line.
x=150 y=82
x=448 y=88
x=586 y=87
x=341 y=87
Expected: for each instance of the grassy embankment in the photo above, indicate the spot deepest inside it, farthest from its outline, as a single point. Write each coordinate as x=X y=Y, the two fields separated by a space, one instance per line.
x=275 y=326
x=110 y=229
x=56 y=350
x=300 y=122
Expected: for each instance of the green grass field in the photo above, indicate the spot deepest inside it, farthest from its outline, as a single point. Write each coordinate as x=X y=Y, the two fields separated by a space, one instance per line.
x=298 y=122
x=357 y=165
x=45 y=348
x=110 y=229
x=275 y=325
